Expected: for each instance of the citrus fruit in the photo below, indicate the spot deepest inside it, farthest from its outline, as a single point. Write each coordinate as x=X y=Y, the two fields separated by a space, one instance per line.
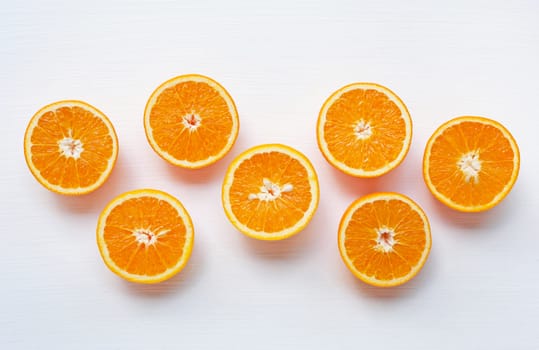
x=471 y=163
x=145 y=236
x=191 y=121
x=270 y=192
x=364 y=130
x=384 y=239
x=70 y=147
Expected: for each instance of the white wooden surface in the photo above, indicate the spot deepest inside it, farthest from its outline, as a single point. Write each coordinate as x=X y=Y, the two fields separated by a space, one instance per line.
x=279 y=59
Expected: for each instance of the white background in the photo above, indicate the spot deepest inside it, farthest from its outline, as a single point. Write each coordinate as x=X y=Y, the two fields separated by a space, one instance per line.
x=280 y=60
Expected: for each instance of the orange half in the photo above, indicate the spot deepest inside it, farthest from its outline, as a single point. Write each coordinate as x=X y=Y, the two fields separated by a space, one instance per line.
x=471 y=163
x=70 y=147
x=384 y=239
x=364 y=130
x=145 y=236
x=191 y=121
x=270 y=192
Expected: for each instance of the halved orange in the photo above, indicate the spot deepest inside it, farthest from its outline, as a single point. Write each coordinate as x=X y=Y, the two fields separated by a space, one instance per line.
x=471 y=163
x=145 y=236
x=384 y=239
x=70 y=147
x=364 y=130
x=270 y=192
x=191 y=121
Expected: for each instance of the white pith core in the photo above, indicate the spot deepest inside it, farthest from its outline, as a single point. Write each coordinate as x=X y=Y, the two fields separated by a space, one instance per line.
x=362 y=130
x=470 y=165
x=191 y=121
x=270 y=191
x=70 y=147
x=385 y=239
x=147 y=236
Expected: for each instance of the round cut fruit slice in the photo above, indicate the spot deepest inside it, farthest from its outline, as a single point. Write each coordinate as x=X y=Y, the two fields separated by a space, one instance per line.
x=191 y=121
x=70 y=147
x=270 y=192
x=145 y=236
x=384 y=239
x=471 y=163
x=364 y=130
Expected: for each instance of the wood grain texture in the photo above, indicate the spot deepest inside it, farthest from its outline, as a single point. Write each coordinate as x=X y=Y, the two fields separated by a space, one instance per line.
x=279 y=60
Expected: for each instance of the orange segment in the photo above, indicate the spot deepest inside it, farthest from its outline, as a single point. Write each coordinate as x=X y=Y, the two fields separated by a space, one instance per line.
x=70 y=147
x=384 y=239
x=191 y=121
x=471 y=163
x=364 y=130
x=270 y=192
x=145 y=236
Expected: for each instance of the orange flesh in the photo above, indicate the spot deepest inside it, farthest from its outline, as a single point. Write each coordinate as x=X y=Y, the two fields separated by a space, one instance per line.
x=181 y=103
x=386 y=122
x=280 y=213
x=79 y=124
x=361 y=237
x=150 y=215
x=495 y=153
